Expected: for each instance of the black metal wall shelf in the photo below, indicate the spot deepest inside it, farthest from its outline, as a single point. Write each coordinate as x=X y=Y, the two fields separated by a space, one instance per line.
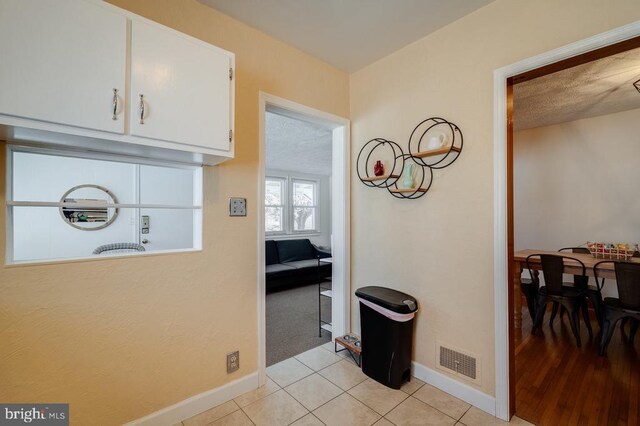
x=425 y=158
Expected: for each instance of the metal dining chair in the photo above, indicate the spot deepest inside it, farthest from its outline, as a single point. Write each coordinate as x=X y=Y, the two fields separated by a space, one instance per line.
x=626 y=305
x=554 y=290
x=591 y=292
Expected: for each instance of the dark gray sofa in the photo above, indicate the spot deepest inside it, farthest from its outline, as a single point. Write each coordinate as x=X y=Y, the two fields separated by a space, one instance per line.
x=293 y=262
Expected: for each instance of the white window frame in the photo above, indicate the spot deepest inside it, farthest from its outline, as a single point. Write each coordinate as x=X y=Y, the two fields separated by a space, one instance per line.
x=289 y=179
x=284 y=197
x=316 y=196
x=197 y=205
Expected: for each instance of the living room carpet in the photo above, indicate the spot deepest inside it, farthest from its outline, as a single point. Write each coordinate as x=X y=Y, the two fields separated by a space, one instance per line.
x=292 y=321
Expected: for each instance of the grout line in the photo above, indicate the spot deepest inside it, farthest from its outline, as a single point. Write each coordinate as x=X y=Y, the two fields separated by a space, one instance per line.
x=384 y=417
x=317 y=418
x=294 y=398
x=393 y=408
x=442 y=412
x=337 y=396
x=245 y=413
x=470 y=406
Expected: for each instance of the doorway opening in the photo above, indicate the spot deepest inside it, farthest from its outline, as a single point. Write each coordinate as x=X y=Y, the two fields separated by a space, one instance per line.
x=576 y=393
x=303 y=232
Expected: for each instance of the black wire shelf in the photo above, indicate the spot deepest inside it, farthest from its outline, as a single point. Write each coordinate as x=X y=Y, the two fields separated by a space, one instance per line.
x=424 y=158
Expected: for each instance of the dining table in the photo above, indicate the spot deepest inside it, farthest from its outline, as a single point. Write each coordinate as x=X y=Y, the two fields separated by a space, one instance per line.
x=606 y=270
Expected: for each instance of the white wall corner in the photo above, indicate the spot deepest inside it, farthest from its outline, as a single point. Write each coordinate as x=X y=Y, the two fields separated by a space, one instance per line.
x=468 y=394
x=197 y=404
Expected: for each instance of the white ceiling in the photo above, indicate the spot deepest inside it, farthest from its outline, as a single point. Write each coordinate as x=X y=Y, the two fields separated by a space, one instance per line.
x=348 y=34
x=297 y=146
x=596 y=88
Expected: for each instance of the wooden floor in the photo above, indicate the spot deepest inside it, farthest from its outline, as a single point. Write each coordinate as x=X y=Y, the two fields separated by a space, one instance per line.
x=560 y=384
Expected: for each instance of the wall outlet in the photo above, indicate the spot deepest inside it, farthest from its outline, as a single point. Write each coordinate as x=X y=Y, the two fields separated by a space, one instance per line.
x=233 y=361
x=237 y=206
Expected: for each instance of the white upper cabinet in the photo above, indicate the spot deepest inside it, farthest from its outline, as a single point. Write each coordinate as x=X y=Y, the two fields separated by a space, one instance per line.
x=180 y=88
x=91 y=76
x=61 y=61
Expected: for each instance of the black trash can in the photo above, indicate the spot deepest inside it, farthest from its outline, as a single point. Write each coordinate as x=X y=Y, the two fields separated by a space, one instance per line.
x=386 y=323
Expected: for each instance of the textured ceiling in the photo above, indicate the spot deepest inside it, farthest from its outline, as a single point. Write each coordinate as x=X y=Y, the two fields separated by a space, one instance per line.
x=596 y=88
x=348 y=34
x=297 y=146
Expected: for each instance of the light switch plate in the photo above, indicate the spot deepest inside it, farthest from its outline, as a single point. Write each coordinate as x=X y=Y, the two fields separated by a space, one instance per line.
x=237 y=206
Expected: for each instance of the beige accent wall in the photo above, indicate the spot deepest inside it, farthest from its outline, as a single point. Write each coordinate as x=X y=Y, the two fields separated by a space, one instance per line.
x=578 y=181
x=119 y=339
x=440 y=247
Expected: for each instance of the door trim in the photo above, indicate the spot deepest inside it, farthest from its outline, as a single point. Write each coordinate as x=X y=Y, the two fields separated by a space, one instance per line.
x=340 y=215
x=503 y=289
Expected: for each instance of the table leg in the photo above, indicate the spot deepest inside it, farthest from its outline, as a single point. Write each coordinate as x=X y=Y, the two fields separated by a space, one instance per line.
x=517 y=296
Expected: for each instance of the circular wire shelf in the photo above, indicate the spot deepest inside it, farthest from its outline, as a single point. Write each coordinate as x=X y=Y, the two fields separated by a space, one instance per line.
x=363 y=161
x=426 y=158
x=425 y=177
x=442 y=156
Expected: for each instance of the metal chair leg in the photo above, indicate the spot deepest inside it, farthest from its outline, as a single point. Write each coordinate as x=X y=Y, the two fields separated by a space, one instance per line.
x=585 y=315
x=609 y=322
x=554 y=311
x=574 y=321
x=540 y=308
x=596 y=301
x=634 y=329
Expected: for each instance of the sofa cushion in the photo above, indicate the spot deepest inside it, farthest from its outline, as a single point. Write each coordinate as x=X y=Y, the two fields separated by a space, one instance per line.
x=302 y=264
x=294 y=250
x=271 y=252
x=279 y=270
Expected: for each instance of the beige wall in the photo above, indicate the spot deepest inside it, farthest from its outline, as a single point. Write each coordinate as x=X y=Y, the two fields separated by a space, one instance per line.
x=578 y=181
x=119 y=339
x=440 y=247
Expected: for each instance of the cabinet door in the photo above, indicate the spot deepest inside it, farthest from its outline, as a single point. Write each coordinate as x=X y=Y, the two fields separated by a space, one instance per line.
x=61 y=61
x=184 y=85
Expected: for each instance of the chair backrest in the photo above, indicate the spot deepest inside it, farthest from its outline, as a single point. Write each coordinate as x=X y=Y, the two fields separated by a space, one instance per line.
x=580 y=281
x=553 y=269
x=628 y=281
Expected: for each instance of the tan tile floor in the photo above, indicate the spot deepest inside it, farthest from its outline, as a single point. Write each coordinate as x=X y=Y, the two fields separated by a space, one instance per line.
x=320 y=387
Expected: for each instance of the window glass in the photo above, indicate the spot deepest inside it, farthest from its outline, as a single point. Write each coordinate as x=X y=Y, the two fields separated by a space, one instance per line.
x=293 y=210
x=274 y=205
x=304 y=205
x=67 y=207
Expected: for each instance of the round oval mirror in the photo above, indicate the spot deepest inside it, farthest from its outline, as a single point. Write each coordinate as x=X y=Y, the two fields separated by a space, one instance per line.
x=88 y=209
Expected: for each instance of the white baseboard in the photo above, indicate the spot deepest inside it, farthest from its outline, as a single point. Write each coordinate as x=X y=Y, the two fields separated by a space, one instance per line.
x=197 y=404
x=458 y=389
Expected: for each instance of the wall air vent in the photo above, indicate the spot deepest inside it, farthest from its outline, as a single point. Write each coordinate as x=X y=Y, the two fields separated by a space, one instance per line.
x=459 y=363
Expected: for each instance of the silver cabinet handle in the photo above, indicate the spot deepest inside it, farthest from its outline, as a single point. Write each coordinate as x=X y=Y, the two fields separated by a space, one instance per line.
x=115 y=104
x=141 y=109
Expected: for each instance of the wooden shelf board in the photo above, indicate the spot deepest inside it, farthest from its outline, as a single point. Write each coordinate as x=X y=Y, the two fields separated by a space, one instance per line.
x=383 y=177
x=437 y=151
x=405 y=190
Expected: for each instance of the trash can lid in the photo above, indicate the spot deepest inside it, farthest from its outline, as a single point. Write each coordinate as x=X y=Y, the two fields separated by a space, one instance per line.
x=389 y=298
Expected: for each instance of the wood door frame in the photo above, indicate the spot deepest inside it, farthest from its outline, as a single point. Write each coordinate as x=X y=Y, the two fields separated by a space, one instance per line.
x=599 y=46
x=340 y=216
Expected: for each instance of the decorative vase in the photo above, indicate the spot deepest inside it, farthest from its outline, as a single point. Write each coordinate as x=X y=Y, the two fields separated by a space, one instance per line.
x=407 y=180
x=378 y=168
